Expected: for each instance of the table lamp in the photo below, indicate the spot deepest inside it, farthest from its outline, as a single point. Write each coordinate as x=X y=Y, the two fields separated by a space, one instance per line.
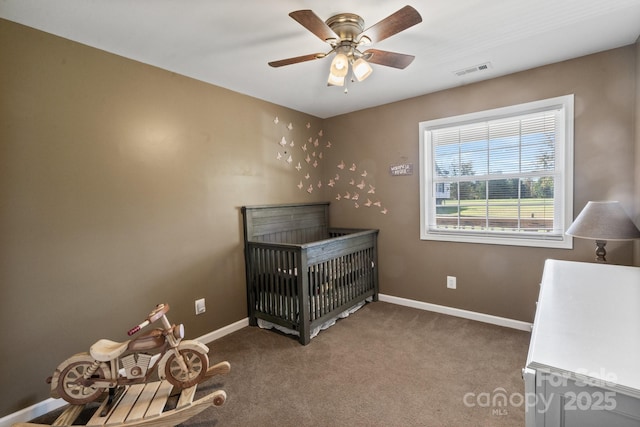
x=602 y=221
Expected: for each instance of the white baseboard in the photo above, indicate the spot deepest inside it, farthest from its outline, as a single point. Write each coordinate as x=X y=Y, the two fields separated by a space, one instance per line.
x=41 y=408
x=472 y=315
x=225 y=330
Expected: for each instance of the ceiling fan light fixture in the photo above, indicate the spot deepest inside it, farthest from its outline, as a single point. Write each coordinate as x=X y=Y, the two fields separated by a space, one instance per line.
x=364 y=41
x=361 y=69
x=340 y=65
x=335 y=80
x=345 y=33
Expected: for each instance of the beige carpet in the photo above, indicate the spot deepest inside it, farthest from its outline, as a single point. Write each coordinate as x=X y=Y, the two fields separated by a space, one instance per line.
x=385 y=365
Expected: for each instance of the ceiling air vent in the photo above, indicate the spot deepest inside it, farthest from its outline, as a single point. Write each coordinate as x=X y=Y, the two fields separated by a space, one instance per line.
x=475 y=68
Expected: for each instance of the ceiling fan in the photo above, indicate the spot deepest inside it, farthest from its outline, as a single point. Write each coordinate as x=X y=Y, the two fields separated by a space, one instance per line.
x=346 y=35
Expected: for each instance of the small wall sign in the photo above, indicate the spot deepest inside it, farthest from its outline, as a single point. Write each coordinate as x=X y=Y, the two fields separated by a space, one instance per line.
x=402 y=169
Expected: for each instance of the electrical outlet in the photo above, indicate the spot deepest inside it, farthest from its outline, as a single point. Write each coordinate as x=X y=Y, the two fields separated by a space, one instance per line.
x=451 y=282
x=200 y=306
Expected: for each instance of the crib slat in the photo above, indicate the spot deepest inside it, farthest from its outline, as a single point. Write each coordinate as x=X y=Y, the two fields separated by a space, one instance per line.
x=289 y=293
x=279 y=278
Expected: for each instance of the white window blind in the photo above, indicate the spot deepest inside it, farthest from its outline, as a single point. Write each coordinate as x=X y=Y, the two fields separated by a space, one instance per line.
x=499 y=176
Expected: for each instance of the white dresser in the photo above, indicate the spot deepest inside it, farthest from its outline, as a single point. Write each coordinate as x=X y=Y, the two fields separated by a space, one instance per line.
x=583 y=367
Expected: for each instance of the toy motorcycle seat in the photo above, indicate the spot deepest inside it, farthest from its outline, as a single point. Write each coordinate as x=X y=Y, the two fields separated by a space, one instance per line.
x=105 y=350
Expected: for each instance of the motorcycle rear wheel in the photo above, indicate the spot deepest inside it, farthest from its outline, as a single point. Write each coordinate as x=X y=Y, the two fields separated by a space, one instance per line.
x=197 y=364
x=78 y=394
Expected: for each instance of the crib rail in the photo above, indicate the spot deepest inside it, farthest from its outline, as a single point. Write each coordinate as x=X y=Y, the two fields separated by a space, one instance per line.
x=299 y=271
x=302 y=286
x=338 y=283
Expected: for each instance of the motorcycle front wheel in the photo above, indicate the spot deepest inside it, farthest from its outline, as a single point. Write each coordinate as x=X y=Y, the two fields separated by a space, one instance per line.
x=197 y=364
x=78 y=394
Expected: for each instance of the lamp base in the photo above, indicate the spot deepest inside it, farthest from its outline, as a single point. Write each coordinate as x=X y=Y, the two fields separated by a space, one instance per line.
x=601 y=252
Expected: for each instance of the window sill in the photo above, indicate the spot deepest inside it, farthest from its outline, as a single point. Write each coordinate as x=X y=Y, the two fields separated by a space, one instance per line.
x=566 y=242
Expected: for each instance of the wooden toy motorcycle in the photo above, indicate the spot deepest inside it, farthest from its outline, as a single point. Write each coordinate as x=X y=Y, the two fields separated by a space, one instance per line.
x=82 y=378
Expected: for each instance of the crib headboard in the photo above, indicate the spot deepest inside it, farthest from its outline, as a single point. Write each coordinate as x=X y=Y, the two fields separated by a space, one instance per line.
x=286 y=223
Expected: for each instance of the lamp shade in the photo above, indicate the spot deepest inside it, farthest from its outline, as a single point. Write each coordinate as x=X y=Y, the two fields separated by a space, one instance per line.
x=340 y=65
x=604 y=221
x=335 y=80
x=361 y=69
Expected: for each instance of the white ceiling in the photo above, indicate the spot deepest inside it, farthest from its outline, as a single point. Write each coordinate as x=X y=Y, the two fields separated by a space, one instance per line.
x=229 y=42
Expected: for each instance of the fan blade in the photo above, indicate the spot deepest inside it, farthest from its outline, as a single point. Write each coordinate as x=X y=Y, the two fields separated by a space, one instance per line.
x=393 y=24
x=311 y=22
x=389 y=59
x=297 y=59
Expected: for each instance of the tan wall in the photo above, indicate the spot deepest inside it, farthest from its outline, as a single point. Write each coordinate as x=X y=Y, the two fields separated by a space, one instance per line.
x=498 y=280
x=121 y=186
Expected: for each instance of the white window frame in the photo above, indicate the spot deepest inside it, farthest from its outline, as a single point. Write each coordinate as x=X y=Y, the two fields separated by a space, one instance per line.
x=563 y=213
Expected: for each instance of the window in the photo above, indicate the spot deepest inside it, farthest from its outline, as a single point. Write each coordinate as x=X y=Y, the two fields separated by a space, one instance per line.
x=502 y=176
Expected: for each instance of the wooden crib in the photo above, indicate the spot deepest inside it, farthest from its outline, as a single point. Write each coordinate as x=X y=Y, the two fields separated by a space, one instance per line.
x=301 y=273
